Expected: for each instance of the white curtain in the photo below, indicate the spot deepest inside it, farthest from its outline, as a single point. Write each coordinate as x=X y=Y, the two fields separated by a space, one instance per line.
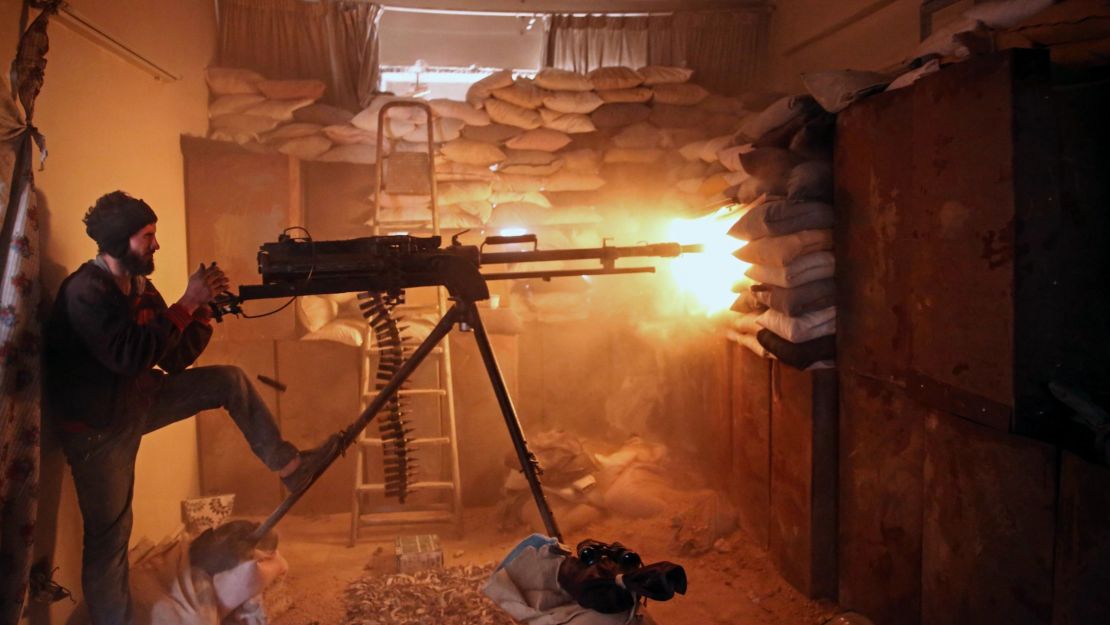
x=335 y=41
x=726 y=49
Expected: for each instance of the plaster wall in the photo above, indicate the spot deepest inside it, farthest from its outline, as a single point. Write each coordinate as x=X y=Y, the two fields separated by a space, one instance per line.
x=112 y=126
x=873 y=41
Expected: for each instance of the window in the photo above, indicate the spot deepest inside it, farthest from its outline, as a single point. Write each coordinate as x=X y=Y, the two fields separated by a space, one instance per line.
x=438 y=55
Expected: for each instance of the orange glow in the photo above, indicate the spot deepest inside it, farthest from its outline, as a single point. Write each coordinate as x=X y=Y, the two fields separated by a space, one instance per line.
x=706 y=279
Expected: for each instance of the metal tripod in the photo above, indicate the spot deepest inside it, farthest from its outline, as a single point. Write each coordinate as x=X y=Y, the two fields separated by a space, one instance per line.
x=465 y=313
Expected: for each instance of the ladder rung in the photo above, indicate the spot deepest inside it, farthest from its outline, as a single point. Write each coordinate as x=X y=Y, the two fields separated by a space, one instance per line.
x=408 y=392
x=413 y=486
x=425 y=440
x=435 y=350
x=405 y=518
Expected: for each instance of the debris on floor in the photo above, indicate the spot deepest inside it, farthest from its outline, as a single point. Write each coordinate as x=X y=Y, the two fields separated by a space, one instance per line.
x=448 y=596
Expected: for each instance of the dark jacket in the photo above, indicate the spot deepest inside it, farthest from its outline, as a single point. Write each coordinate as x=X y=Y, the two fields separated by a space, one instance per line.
x=101 y=347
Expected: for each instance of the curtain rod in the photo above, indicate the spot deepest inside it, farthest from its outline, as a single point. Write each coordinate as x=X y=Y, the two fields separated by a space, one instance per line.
x=95 y=34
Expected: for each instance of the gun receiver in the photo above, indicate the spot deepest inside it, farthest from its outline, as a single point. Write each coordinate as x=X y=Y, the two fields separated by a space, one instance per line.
x=292 y=267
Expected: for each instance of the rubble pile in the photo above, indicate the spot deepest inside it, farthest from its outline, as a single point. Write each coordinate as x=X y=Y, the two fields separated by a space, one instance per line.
x=448 y=596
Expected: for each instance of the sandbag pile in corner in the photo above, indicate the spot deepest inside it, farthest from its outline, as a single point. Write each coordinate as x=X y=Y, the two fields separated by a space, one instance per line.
x=789 y=313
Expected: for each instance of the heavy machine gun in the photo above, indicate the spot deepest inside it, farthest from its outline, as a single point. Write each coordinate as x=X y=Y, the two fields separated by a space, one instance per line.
x=295 y=266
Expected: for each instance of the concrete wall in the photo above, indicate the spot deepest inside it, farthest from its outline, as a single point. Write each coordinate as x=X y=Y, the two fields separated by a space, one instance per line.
x=111 y=126
x=886 y=35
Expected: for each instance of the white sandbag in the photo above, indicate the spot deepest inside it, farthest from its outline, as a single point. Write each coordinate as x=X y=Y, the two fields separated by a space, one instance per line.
x=613 y=78
x=350 y=332
x=562 y=80
x=781 y=218
x=479 y=91
x=523 y=93
x=711 y=147
x=834 y=90
x=545 y=139
x=946 y=41
x=315 y=311
x=472 y=152
x=749 y=341
x=570 y=123
x=347 y=134
x=585 y=160
x=905 y=80
x=305 y=148
x=243 y=123
x=801 y=328
x=692 y=151
x=367 y=119
x=730 y=157
x=365 y=153
x=454 y=109
x=443 y=129
x=235 y=103
x=513 y=115
x=291 y=131
x=232 y=81
x=572 y=101
x=811 y=181
x=640 y=135
x=779 y=113
x=633 y=155
x=804 y=269
x=292 y=89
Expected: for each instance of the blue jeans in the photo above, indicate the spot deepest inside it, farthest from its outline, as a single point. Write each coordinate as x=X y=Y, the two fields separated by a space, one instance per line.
x=103 y=466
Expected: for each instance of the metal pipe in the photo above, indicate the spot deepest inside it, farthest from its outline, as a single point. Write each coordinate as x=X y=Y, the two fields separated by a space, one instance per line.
x=98 y=36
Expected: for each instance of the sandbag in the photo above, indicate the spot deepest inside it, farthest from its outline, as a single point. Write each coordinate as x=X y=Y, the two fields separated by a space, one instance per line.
x=632 y=155
x=798 y=300
x=639 y=135
x=244 y=123
x=232 y=81
x=572 y=101
x=479 y=91
x=804 y=269
x=633 y=95
x=562 y=80
x=490 y=133
x=455 y=109
x=544 y=139
x=466 y=191
x=365 y=153
x=834 y=90
x=323 y=114
x=781 y=250
x=677 y=116
x=348 y=135
x=609 y=78
x=798 y=355
x=772 y=165
x=235 y=103
x=810 y=181
x=512 y=115
x=521 y=93
x=472 y=152
x=659 y=74
x=800 y=328
x=570 y=123
x=532 y=170
x=685 y=94
x=291 y=131
x=779 y=218
x=584 y=160
x=305 y=148
x=779 y=113
x=615 y=115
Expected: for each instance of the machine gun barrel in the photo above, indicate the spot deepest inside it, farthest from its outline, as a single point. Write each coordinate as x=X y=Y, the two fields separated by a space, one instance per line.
x=607 y=254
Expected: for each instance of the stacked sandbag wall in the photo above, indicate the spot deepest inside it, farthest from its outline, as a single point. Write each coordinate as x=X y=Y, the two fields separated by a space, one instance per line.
x=788 y=310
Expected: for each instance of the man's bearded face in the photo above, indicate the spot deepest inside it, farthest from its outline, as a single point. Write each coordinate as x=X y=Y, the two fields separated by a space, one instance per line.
x=139 y=260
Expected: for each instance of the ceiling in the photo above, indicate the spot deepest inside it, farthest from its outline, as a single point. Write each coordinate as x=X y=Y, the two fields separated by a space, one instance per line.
x=577 y=6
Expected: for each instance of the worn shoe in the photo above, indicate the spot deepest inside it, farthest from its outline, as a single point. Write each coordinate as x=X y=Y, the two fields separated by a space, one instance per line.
x=313 y=461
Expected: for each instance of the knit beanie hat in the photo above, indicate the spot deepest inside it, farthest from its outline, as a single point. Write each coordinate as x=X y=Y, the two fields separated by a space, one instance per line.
x=114 y=218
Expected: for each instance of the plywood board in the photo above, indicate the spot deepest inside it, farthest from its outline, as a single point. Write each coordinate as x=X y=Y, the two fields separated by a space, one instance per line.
x=751 y=441
x=881 y=450
x=989 y=525
x=802 y=532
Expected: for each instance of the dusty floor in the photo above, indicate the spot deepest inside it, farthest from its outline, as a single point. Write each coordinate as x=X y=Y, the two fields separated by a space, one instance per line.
x=734 y=585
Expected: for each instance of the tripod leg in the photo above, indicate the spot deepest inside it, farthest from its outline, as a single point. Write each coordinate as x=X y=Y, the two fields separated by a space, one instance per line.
x=528 y=461
x=349 y=435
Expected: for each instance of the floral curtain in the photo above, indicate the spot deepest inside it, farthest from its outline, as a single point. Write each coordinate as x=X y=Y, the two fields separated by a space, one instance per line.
x=20 y=328
x=335 y=41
